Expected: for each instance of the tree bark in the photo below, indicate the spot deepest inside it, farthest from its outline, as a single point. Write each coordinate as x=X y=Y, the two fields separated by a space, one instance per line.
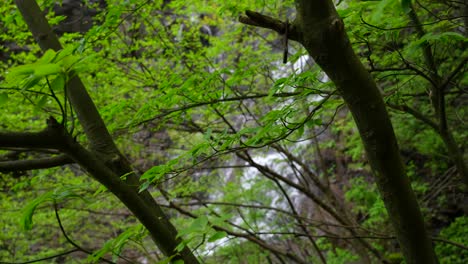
x=321 y=31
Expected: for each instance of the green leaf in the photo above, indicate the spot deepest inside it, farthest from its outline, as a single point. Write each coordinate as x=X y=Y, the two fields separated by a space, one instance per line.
x=181 y=246
x=56 y=20
x=100 y=190
x=58 y=83
x=218 y=235
x=381 y=10
x=42 y=70
x=406 y=5
x=200 y=223
x=3 y=98
x=207 y=135
x=198 y=227
x=115 y=246
x=67 y=192
x=313 y=122
x=144 y=186
x=28 y=211
x=94 y=258
x=82 y=46
x=67 y=51
x=155 y=173
x=70 y=62
x=30 y=82
x=300 y=131
x=281 y=81
x=20 y=71
x=48 y=56
x=40 y=104
x=124 y=177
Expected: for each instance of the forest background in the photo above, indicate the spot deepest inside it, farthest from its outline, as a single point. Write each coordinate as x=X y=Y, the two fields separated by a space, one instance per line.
x=251 y=159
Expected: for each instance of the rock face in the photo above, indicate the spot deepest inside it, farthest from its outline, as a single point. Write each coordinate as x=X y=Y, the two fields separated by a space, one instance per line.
x=79 y=15
x=153 y=148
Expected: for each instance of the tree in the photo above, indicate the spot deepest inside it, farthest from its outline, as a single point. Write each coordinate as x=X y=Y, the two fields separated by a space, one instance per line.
x=320 y=29
x=105 y=163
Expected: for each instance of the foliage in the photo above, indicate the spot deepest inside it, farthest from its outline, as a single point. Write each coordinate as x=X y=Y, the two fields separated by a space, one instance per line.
x=455 y=232
x=252 y=159
x=366 y=201
x=340 y=256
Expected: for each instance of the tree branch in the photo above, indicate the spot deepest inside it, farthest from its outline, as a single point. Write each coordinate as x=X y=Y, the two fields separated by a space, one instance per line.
x=52 y=137
x=415 y=114
x=259 y=20
x=43 y=259
x=454 y=73
x=73 y=242
x=251 y=237
x=34 y=164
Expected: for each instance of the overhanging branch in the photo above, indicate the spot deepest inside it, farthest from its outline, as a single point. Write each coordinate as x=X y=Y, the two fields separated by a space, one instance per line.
x=259 y=20
x=34 y=164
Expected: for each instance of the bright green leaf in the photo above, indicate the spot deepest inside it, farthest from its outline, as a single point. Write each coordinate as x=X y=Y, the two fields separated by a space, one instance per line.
x=200 y=223
x=58 y=83
x=181 y=246
x=218 y=235
x=48 y=56
x=28 y=211
x=20 y=71
x=155 y=173
x=144 y=186
x=67 y=51
x=42 y=70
